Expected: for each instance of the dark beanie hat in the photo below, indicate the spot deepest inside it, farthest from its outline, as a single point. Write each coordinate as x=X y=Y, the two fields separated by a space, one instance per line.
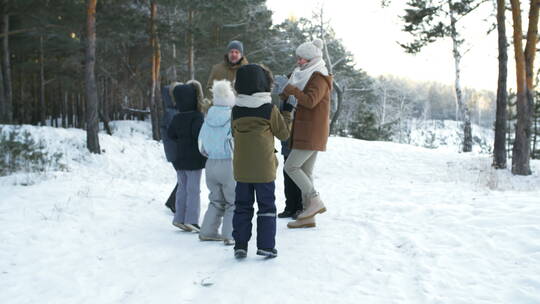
x=252 y=78
x=185 y=97
x=236 y=45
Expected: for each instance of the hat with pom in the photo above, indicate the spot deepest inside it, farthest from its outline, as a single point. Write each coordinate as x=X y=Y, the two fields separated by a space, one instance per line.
x=223 y=93
x=310 y=50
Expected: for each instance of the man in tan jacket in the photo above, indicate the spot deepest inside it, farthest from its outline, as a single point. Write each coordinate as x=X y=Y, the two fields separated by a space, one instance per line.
x=233 y=59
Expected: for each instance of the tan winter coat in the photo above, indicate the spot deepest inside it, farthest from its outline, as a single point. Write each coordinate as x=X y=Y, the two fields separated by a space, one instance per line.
x=311 y=124
x=223 y=70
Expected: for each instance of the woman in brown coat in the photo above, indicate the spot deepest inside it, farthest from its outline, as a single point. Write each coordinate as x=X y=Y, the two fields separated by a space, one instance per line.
x=310 y=84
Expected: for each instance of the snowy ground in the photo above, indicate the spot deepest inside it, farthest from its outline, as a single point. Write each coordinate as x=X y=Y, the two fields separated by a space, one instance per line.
x=405 y=225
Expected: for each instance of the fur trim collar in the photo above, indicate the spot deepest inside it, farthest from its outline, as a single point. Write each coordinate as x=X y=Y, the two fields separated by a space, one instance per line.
x=253 y=101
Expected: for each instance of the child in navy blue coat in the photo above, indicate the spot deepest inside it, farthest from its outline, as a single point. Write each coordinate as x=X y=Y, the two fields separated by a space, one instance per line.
x=189 y=163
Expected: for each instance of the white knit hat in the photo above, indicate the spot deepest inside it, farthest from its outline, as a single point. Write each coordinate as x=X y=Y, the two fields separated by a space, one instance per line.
x=223 y=93
x=309 y=50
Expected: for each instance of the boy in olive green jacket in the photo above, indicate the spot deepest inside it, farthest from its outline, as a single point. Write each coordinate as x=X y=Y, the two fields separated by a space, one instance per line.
x=255 y=122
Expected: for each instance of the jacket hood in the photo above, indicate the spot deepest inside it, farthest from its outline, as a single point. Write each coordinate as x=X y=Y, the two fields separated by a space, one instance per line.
x=218 y=116
x=189 y=96
x=251 y=79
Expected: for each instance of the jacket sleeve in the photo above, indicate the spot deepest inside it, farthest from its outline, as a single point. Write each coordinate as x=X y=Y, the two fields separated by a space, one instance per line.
x=171 y=131
x=201 y=142
x=280 y=123
x=210 y=83
x=313 y=93
x=232 y=124
x=197 y=125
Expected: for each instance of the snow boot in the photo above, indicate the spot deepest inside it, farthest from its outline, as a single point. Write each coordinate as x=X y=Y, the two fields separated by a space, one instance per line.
x=193 y=227
x=305 y=223
x=315 y=206
x=171 y=200
x=269 y=253
x=210 y=238
x=240 y=253
x=181 y=226
x=286 y=214
x=229 y=242
x=296 y=214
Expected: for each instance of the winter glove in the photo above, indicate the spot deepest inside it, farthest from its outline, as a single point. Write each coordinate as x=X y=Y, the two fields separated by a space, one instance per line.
x=280 y=82
x=290 y=104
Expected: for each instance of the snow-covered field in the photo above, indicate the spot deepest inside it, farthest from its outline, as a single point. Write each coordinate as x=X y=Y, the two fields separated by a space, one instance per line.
x=404 y=225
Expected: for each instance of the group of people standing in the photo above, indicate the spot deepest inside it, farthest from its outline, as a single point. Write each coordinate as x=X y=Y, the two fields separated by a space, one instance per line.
x=231 y=134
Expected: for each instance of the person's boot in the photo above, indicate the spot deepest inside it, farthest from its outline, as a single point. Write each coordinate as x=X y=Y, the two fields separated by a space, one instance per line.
x=269 y=253
x=229 y=242
x=305 y=223
x=240 y=251
x=285 y=214
x=193 y=227
x=181 y=226
x=314 y=207
x=216 y=237
x=295 y=215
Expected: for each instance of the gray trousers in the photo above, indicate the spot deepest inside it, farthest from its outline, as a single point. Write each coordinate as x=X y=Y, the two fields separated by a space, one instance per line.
x=299 y=166
x=221 y=183
x=188 y=197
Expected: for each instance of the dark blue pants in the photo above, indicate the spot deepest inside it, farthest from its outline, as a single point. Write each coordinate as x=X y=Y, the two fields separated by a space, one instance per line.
x=266 y=216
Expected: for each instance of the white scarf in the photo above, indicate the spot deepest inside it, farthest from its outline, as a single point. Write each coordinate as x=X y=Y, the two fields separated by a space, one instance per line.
x=301 y=75
x=253 y=101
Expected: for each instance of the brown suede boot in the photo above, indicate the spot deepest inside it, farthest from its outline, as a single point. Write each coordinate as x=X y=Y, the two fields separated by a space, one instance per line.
x=314 y=207
x=305 y=223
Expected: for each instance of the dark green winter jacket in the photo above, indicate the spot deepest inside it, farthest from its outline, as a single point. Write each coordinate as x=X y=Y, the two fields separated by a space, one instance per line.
x=255 y=123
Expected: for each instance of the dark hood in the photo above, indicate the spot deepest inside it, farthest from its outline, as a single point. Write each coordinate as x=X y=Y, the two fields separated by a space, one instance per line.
x=185 y=97
x=251 y=79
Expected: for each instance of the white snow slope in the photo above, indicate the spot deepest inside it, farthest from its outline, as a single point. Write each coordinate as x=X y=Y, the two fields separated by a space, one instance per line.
x=404 y=225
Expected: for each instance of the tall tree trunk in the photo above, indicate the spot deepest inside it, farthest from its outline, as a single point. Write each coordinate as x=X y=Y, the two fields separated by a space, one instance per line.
x=70 y=103
x=499 y=150
x=174 y=74
x=156 y=62
x=104 y=111
x=464 y=110
x=64 y=110
x=521 y=152
x=92 y=122
x=42 y=109
x=191 y=46
x=23 y=101
x=6 y=67
x=3 y=105
x=382 y=119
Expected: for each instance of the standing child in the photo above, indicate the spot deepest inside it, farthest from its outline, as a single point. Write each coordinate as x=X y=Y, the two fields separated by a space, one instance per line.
x=184 y=129
x=215 y=142
x=255 y=122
